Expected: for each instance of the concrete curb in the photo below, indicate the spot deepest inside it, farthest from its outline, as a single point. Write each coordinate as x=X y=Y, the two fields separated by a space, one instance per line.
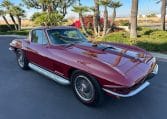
x=160 y=56
x=16 y=36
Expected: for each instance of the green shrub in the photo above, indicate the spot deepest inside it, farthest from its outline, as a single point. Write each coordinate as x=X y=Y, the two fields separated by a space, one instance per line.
x=139 y=28
x=119 y=37
x=90 y=31
x=22 y=32
x=151 y=15
x=124 y=23
x=150 y=39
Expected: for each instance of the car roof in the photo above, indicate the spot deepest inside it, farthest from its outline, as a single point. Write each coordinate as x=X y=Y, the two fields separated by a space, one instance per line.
x=54 y=27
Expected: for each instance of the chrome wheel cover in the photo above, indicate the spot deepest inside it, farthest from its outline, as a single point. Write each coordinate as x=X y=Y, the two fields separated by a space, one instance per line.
x=84 y=88
x=20 y=60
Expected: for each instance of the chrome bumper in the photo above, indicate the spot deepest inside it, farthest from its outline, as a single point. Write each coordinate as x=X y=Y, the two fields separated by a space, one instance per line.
x=11 y=49
x=139 y=89
x=132 y=93
x=155 y=70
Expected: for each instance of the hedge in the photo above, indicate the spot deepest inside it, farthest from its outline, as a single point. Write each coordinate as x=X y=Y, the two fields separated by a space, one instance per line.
x=4 y=27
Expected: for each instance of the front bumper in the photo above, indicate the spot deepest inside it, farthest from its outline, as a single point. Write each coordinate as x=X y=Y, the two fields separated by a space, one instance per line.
x=155 y=70
x=137 y=90
x=132 y=93
x=11 y=49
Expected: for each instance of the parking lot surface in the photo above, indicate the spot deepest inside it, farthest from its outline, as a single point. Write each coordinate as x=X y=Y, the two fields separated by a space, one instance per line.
x=29 y=95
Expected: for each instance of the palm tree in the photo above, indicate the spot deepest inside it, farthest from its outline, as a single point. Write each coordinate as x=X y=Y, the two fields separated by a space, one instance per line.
x=80 y=10
x=96 y=22
x=105 y=3
x=2 y=13
x=133 y=19
x=18 y=12
x=7 y=5
x=163 y=12
x=114 y=5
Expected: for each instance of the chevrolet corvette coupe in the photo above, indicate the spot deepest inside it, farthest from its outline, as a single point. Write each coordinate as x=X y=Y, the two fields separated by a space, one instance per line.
x=93 y=69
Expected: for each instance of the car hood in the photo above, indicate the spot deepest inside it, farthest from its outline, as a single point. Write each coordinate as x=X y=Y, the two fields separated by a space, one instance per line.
x=128 y=62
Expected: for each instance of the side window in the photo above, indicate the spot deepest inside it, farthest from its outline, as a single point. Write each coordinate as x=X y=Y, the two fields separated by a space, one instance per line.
x=38 y=36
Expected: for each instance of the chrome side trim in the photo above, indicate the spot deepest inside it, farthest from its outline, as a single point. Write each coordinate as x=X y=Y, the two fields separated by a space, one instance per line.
x=51 y=75
x=132 y=93
x=155 y=70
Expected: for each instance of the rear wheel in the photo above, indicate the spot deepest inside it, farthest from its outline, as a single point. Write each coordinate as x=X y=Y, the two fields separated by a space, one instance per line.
x=86 y=88
x=22 y=60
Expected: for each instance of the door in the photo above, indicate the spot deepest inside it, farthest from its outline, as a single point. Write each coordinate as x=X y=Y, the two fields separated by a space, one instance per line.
x=38 y=49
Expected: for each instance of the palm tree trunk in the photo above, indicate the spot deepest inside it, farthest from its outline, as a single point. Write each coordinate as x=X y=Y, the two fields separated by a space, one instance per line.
x=82 y=23
x=49 y=8
x=97 y=16
x=94 y=25
x=163 y=14
x=44 y=8
x=113 y=17
x=19 y=22
x=13 y=20
x=112 y=22
x=99 y=29
x=6 y=21
x=133 y=20
x=105 y=20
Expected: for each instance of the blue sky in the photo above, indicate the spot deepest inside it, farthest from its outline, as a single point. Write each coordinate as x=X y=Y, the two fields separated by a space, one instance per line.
x=145 y=7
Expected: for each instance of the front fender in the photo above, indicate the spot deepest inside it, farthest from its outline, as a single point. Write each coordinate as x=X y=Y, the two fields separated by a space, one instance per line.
x=104 y=73
x=16 y=44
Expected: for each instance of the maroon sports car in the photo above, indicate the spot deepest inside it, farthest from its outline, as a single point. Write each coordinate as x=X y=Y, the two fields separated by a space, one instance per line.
x=93 y=69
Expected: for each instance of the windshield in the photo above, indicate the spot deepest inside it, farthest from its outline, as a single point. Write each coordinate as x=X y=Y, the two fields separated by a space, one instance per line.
x=65 y=36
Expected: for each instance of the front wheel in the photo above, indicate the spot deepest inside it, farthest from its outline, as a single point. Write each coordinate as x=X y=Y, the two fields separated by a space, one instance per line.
x=86 y=88
x=22 y=60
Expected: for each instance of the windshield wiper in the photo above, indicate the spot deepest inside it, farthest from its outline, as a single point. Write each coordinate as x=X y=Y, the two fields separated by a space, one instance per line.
x=110 y=47
x=69 y=44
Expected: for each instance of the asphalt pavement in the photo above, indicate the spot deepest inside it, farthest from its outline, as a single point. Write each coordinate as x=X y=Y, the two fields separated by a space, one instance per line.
x=29 y=95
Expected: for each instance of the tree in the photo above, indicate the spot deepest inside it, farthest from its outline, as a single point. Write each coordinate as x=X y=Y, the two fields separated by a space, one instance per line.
x=49 y=19
x=163 y=13
x=35 y=15
x=133 y=19
x=105 y=3
x=18 y=12
x=114 y=5
x=50 y=5
x=151 y=15
x=39 y=4
x=2 y=13
x=80 y=10
x=63 y=5
x=7 y=5
x=96 y=22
